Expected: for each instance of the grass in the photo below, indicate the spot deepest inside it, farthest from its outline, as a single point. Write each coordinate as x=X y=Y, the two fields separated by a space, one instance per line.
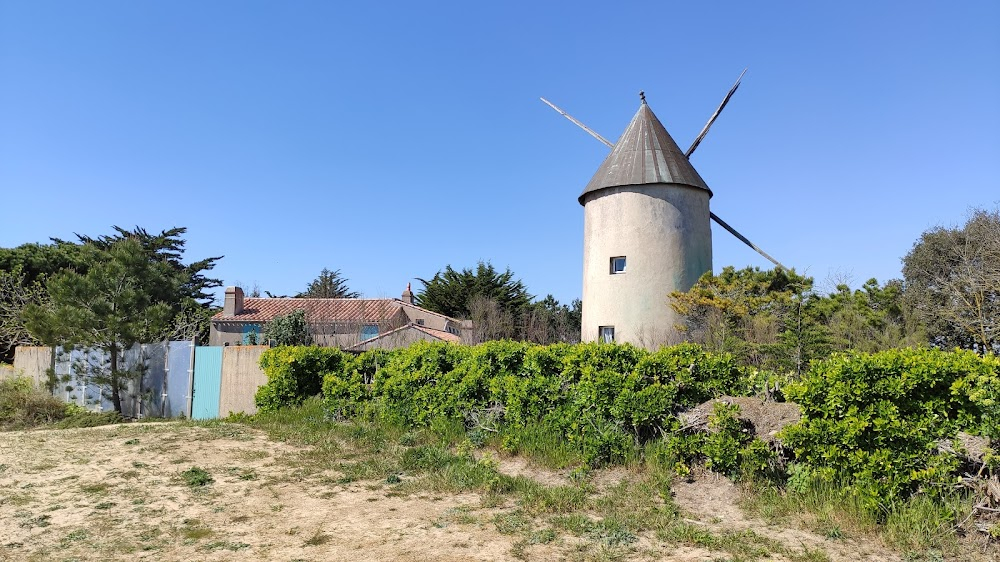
x=744 y=545
x=196 y=477
x=415 y=461
x=22 y=406
x=913 y=527
x=583 y=514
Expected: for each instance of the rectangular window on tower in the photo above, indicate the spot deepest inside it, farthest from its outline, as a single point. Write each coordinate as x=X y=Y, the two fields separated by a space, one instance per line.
x=606 y=334
x=618 y=265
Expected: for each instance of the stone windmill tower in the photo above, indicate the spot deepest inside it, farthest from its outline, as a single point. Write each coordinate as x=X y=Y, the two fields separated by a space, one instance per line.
x=647 y=232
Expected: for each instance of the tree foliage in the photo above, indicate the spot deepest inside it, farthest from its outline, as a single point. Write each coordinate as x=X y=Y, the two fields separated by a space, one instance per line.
x=756 y=315
x=115 y=304
x=775 y=319
x=872 y=318
x=452 y=292
x=329 y=285
x=288 y=329
x=16 y=293
x=187 y=292
x=952 y=281
x=37 y=262
x=188 y=296
x=23 y=271
x=548 y=321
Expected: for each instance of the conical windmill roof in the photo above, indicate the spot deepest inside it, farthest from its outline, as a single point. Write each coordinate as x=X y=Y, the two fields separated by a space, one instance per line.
x=644 y=154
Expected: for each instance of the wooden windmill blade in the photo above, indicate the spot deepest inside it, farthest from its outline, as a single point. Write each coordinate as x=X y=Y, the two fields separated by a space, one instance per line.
x=711 y=120
x=590 y=131
x=743 y=239
x=687 y=154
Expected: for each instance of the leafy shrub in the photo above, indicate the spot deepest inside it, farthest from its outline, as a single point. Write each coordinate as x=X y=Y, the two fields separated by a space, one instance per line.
x=602 y=400
x=729 y=448
x=288 y=330
x=874 y=420
x=78 y=416
x=409 y=384
x=197 y=477
x=294 y=374
x=23 y=406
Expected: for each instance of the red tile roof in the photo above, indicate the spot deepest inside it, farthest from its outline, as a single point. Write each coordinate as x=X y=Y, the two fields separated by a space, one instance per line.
x=317 y=310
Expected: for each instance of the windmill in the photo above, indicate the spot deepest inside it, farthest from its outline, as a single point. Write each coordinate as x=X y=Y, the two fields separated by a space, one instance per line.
x=646 y=230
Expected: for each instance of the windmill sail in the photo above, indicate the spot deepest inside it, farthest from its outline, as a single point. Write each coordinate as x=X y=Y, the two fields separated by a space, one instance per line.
x=714 y=116
x=687 y=154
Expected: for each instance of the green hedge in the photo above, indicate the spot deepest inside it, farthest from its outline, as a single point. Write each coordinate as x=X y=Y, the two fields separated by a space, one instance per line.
x=295 y=373
x=875 y=420
x=870 y=421
x=602 y=400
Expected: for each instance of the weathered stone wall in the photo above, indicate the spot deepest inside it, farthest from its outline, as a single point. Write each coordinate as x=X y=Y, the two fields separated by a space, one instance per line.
x=241 y=377
x=34 y=363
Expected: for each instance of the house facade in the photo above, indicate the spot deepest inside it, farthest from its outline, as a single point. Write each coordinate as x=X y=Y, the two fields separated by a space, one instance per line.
x=350 y=324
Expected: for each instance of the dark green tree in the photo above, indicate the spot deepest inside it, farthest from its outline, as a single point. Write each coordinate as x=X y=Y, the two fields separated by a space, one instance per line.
x=758 y=316
x=114 y=305
x=870 y=319
x=37 y=262
x=288 y=329
x=329 y=285
x=952 y=283
x=189 y=299
x=15 y=295
x=188 y=295
x=454 y=293
x=23 y=271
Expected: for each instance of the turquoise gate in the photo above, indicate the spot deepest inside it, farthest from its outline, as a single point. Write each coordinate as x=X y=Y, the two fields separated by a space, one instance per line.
x=207 y=382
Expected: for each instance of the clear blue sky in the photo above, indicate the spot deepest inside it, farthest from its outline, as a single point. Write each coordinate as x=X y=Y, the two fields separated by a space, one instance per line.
x=388 y=140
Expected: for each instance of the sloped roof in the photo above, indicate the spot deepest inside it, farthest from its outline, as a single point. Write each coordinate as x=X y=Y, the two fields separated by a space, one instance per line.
x=439 y=334
x=317 y=310
x=645 y=154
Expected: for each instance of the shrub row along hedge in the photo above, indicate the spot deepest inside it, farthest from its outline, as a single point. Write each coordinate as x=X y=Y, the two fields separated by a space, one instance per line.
x=870 y=420
x=876 y=420
x=603 y=400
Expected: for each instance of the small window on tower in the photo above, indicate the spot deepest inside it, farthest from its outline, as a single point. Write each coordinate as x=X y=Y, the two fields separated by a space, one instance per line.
x=606 y=334
x=618 y=265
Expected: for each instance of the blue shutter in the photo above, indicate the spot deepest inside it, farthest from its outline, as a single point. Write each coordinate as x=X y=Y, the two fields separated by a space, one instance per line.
x=252 y=329
x=368 y=332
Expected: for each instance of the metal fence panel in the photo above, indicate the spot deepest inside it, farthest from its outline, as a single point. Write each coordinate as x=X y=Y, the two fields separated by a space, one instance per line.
x=207 y=382
x=179 y=379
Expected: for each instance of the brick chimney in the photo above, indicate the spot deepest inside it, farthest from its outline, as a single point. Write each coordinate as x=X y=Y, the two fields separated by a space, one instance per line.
x=408 y=295
x=234 y=301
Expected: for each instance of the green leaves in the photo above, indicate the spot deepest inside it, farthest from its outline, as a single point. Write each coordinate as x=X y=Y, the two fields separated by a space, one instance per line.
x=450 y=292
x=604 y=400
x=874 y=420
x=113 y=303
x=329 y=285
x=296 y=373
x=288 y=329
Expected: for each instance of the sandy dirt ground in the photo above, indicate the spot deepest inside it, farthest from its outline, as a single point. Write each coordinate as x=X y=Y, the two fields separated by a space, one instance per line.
x=117 y=493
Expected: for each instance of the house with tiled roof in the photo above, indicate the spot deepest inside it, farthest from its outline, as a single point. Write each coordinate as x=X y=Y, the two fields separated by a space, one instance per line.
x=350 y=324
